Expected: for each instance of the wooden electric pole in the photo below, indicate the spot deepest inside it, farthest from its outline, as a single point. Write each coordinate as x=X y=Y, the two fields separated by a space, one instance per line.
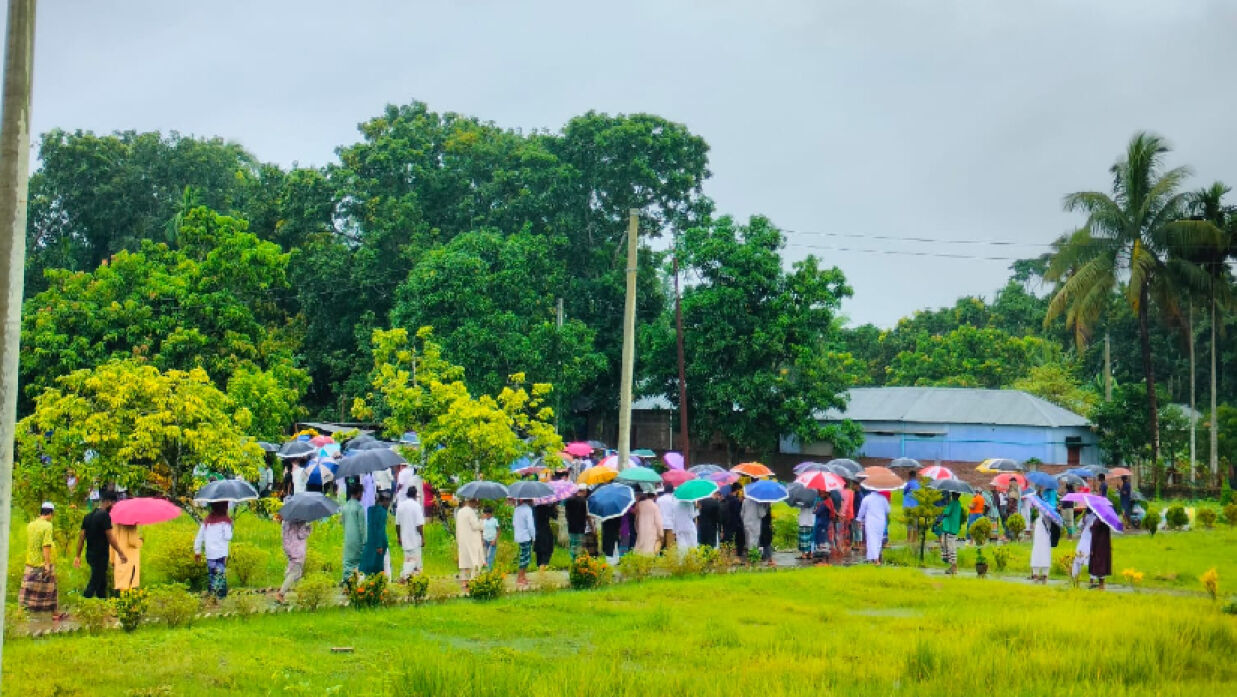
x=14 y=171
x=629 y=343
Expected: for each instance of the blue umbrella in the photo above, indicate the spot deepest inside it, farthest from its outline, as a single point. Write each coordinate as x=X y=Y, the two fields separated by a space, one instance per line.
x=320 y=472
x=611 y=501
x=1081 y=472
x=1044 y=509
x=1042 y=480
x=705 y=470
x=765 y=491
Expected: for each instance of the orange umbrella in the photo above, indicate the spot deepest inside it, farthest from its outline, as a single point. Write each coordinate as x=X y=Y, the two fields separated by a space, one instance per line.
x=752 y=469
x=882 y=479
x=1002 y=480
x=596 y=475
x=1119 y=472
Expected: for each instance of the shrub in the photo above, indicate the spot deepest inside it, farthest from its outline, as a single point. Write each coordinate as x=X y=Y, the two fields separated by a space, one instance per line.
x=981 y=530
x=316 y=562
x=93 y=614
x=15 y=618
x=1207 y=516
x=589 y=572
x=442 y=588
x=546 y=581
x=1151 y=521
x=635 y=566
x=1230 y=514
x=175 y=560
x=315 y=591
x=244 y=603
x=487 y=585
x=1000 y=557
x=247 y=562
x=1176 y=518
x=711 y=560
x=1133 y=577
x=1015 y=524
x=417 y=588
x=130 y=608
x=1211 y=582
x=785 y=532
x=370 y=592
x=174 y=605
x=753 y=555
x=1063 y=564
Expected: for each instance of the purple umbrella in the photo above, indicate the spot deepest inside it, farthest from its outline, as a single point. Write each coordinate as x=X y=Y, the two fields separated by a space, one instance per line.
x=1100 y=506
x=1044 y=509
x=563 y=489
x=723 y=478
x=673 y=460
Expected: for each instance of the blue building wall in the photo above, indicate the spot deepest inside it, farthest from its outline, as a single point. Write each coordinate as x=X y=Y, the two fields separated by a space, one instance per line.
x=970 y=442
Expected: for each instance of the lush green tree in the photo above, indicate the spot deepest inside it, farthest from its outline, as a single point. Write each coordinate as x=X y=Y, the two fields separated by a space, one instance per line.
x=755 y=338
x=969 y=357
x=1134 y=230
x=1057 y=383
x=131 y=424
x=272 y=398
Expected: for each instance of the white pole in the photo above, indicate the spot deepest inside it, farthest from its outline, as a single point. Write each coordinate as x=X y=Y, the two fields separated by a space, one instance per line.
x=629 y=343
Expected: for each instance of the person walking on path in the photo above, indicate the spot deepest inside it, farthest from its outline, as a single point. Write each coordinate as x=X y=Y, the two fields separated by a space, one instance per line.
x=410 y=529
x=766 y=534
x=489 y=535
x=685 y=526
x=295 y=542
x=751 y=515
x=708 y=524
x=732 y=521
x=873 y=516
x=666 y=502
x=648 y=526
x=127 y=572
x=38 y=584
x=1127 y=499
x=1082 y=552
x=471 y=546
x=1103 y=485
x=212 y=540
x=543 y=545
x=974 y=511
x=97 y=537
x=524 y=529
x=352 y=517
x=909 y=504
x=374 y=553
x=577 y=521
x=1100 y=562
x=807 y=531
x=823 y=524
x=1067 y=512
x=1041 y=549
x=951 y=522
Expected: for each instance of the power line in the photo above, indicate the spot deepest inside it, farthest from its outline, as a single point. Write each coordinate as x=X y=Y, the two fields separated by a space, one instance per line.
x=901 y=252
x=926 y=240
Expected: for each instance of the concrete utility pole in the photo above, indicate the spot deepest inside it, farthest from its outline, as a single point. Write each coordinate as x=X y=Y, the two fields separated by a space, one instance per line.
x=14 y=172
x=1107 y=368
x=678 y=339
x=629 y=343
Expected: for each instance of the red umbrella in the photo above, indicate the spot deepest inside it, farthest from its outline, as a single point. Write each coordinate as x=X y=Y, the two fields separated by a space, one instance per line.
x=936 y=472
x=1002 y=480
x=579 y=449
x=144 y=511
x=821 y=481
x=676 y=477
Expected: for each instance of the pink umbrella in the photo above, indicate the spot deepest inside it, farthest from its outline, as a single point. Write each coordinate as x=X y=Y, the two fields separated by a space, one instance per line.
x=821 y=481
x=613 y=462
x=319 y=441
x=675 y=477
x=723 y=478
x=673 y=460
x=1002 y=480
x=579 y=449
x=144 y=511
x=936 y=472
x=563 y=489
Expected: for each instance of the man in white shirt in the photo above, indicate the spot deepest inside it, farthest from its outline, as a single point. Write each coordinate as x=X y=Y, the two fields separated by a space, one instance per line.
x=668 y=505
x=685 y=525
x=410 y=526
x=525 y=530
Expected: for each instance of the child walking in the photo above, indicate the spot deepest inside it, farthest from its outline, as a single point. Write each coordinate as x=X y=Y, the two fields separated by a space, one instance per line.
x=489 y=535
x=213 y=537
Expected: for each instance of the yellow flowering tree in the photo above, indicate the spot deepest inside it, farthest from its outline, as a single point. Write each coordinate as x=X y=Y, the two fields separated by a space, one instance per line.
x=129 y=423
x=416 y=388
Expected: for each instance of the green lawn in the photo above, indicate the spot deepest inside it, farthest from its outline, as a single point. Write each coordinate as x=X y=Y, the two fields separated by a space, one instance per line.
x=853 y=631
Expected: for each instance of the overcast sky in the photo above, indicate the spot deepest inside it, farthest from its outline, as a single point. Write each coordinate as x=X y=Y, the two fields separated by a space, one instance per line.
x=942 y=120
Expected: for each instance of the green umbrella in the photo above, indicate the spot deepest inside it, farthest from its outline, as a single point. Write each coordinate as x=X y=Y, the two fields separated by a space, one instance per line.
x=644 y=452
x=639 y=474
x=695 y=489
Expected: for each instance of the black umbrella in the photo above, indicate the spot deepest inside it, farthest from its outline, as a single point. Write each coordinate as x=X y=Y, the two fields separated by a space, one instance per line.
x=1004 y=464
x=800 y=496
x=307 y=507
x=529 y=490
x=367 y=461
x=482 y=490
x=905 y=463
x=1071 y=479
x=296 y=448
x=846 y=463
x=954 y=485
x=844 y=472
x=371 y=444
x=230 y=490
x=268 y=447
x=597 y=445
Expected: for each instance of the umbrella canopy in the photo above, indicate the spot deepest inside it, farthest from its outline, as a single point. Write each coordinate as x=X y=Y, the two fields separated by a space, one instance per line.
x=1042 y=480
x=821 y=481
x=675 y=477
x=596 y=475
x=563 y=490
x=529 y=490
x=367 y=461
x=527 y=465
x=643 y=453
x=705 y=470
x=295 y=449
x=308 y=507
x=765 y=491
x=370 y=444
x=937 y=472
x=1044 y=509
x=596 y=445
x=1100 y=506
x=491 y=491
x=752 y=469
x=851 y=465
x=1119 y=472
x=144 y=511
x=1096 y=469
x=611 y=501
x=810 y=467
x=266 y=448
x=320 y=472
x=882 y=479
x=578 y=449
x=954 y=485
x=639 y=474
x=673 y=460
x=1071 y=479
x=695 y=490
x=319 y=441
x=1001 y=481
x=230 y=490
x=844 y=472
x=329 y=450
x=800 y=496
x=1081 y=472
x=612 y=461
x=905 y=463
x=723 y=478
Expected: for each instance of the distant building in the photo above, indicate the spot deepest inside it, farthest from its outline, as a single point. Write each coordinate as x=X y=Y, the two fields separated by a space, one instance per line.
x=950 y=424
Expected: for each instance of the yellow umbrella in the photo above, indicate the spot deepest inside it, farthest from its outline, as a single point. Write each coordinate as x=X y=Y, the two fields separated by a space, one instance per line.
x=596 y=475
x=983 y=467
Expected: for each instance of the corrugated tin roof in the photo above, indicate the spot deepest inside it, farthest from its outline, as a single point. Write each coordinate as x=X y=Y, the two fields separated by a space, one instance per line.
x=958 y=405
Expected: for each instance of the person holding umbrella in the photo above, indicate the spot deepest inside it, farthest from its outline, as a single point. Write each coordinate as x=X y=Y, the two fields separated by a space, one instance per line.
x=1082 y=552
x=375 y=557
x=873 y=516
x=648 y=526
x=577 y=520
x=97 y=536
x=709 y=520
x=951 y=523
x=352 y=517
x=126 y=516
x=470 y=545
x=543 y=545
x=524 y=530
x=1127 y=499
x=213 y=537
x=410 y=528
x=1099 y=564
x=295 y=542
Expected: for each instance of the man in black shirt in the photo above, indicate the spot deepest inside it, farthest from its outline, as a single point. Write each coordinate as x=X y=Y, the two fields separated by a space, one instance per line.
x=97 y=536
x=577 y=520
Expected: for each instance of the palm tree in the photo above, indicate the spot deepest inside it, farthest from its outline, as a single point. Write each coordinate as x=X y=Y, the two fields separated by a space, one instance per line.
x=1128 y=234
x=1208 y=205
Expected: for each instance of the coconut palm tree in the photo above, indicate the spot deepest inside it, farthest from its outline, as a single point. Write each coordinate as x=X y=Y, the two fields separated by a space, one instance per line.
x=1128 y=235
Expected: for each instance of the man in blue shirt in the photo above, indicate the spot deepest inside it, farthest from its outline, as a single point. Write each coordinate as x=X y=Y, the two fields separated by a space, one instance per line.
x=909 y=503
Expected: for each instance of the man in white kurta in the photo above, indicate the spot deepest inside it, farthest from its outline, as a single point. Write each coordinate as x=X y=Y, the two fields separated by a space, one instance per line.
x=685 y=514
x=873 y=515
x=468 y=530
x=409 y=521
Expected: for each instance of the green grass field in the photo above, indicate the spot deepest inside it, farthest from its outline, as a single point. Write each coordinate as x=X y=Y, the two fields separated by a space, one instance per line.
x=853 y=631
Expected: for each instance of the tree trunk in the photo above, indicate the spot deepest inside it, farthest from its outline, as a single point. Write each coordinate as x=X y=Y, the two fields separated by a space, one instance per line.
x=1153 y=420
x=1213 y=457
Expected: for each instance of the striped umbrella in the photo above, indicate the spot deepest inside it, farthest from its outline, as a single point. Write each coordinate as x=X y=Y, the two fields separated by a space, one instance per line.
x=937 y=472
x=821 y=481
